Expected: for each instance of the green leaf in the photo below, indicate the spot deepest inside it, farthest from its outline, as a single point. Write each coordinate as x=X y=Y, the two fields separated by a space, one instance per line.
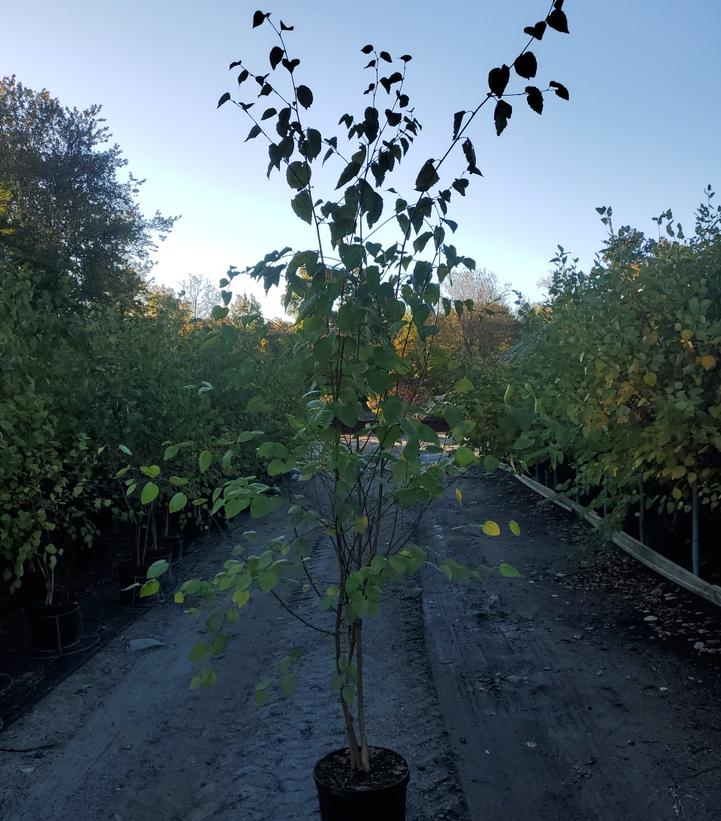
x=150 y=588
x=268 y=578
x=149 y=493
x=302 y=206
x=177 y=502
x=508 y=570
x=205 y=460
x=427 y=176
x=351 y=170
x=204 y=679
x=371 y=202
x=557 y=20
x=247 y=435
x=502 y=114
x=253 y=133
x=287 y=684
x=464 y=456
x=490 y=463
x=219 y=312
x=498 y=79
x=273 y=450
x=260 y=696
x=125 y=450
x=263 y=505
x=460 y=185
x=514 y=527
x=170 y=452
x=298 y=175
x=313 y=143
x=463 y=385
x=305 y=96
x=157 y=569
x=199 y=652
x=352 y=255
x=277 y=467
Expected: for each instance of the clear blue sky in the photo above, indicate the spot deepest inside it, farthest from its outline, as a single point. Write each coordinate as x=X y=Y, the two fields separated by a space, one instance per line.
x=640 y=132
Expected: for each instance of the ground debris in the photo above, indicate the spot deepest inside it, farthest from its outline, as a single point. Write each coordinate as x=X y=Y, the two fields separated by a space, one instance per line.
x=136 y=645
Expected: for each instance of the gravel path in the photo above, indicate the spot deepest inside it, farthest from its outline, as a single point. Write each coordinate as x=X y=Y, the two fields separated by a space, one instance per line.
x=558 y=698
x=132 y=741
x=531 y=698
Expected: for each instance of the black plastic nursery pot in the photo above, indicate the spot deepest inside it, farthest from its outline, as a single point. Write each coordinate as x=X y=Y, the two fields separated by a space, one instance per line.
x=55 y=627
x=347 y=796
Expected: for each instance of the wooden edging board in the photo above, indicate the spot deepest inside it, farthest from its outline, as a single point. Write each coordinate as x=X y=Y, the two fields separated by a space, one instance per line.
x=658 y=563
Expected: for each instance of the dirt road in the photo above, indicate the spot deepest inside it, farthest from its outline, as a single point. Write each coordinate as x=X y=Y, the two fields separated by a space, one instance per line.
x=132 y=742
x=559 y=700
x=532 y=698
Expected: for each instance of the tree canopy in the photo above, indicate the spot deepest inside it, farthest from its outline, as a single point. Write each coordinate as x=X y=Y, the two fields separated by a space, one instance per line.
x=65 y=208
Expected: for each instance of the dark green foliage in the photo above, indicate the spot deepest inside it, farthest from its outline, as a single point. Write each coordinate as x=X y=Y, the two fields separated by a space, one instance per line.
x=76 y=386
x=368 y=300
x=63 y=210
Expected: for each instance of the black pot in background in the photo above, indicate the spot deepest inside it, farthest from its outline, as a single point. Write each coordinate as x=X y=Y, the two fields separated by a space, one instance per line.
x=55 y=627
x=130 y=574
x=359 y=802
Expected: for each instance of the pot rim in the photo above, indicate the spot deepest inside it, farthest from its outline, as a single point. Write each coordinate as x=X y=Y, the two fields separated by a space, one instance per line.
x=61 y=608
x=402 y=781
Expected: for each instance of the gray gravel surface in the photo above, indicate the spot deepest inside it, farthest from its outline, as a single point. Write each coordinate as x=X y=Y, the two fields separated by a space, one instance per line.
x=132 y=741
x=559 y=700
x=543 y=697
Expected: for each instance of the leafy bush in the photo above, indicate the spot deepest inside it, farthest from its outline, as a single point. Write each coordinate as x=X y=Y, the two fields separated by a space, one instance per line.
x=620 y=370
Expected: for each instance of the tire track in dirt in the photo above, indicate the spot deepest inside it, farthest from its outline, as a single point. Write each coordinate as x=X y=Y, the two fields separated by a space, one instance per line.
x=550 y=712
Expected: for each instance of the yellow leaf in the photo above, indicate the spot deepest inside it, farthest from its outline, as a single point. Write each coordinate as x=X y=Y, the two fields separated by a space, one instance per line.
x=361 y=524
x=650 y=379
x=651 y=338
x=708 y=362
x=459 y=496
x=241 y=597
x=686 y=334
x=179 y=598
x=491 y=528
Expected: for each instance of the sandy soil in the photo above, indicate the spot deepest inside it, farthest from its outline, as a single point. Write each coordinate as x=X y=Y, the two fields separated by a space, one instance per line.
x=543 y=697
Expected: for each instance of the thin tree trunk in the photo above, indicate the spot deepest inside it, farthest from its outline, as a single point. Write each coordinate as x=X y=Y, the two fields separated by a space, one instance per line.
x=347 y=715
x=365 y=760
x=695 y=549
